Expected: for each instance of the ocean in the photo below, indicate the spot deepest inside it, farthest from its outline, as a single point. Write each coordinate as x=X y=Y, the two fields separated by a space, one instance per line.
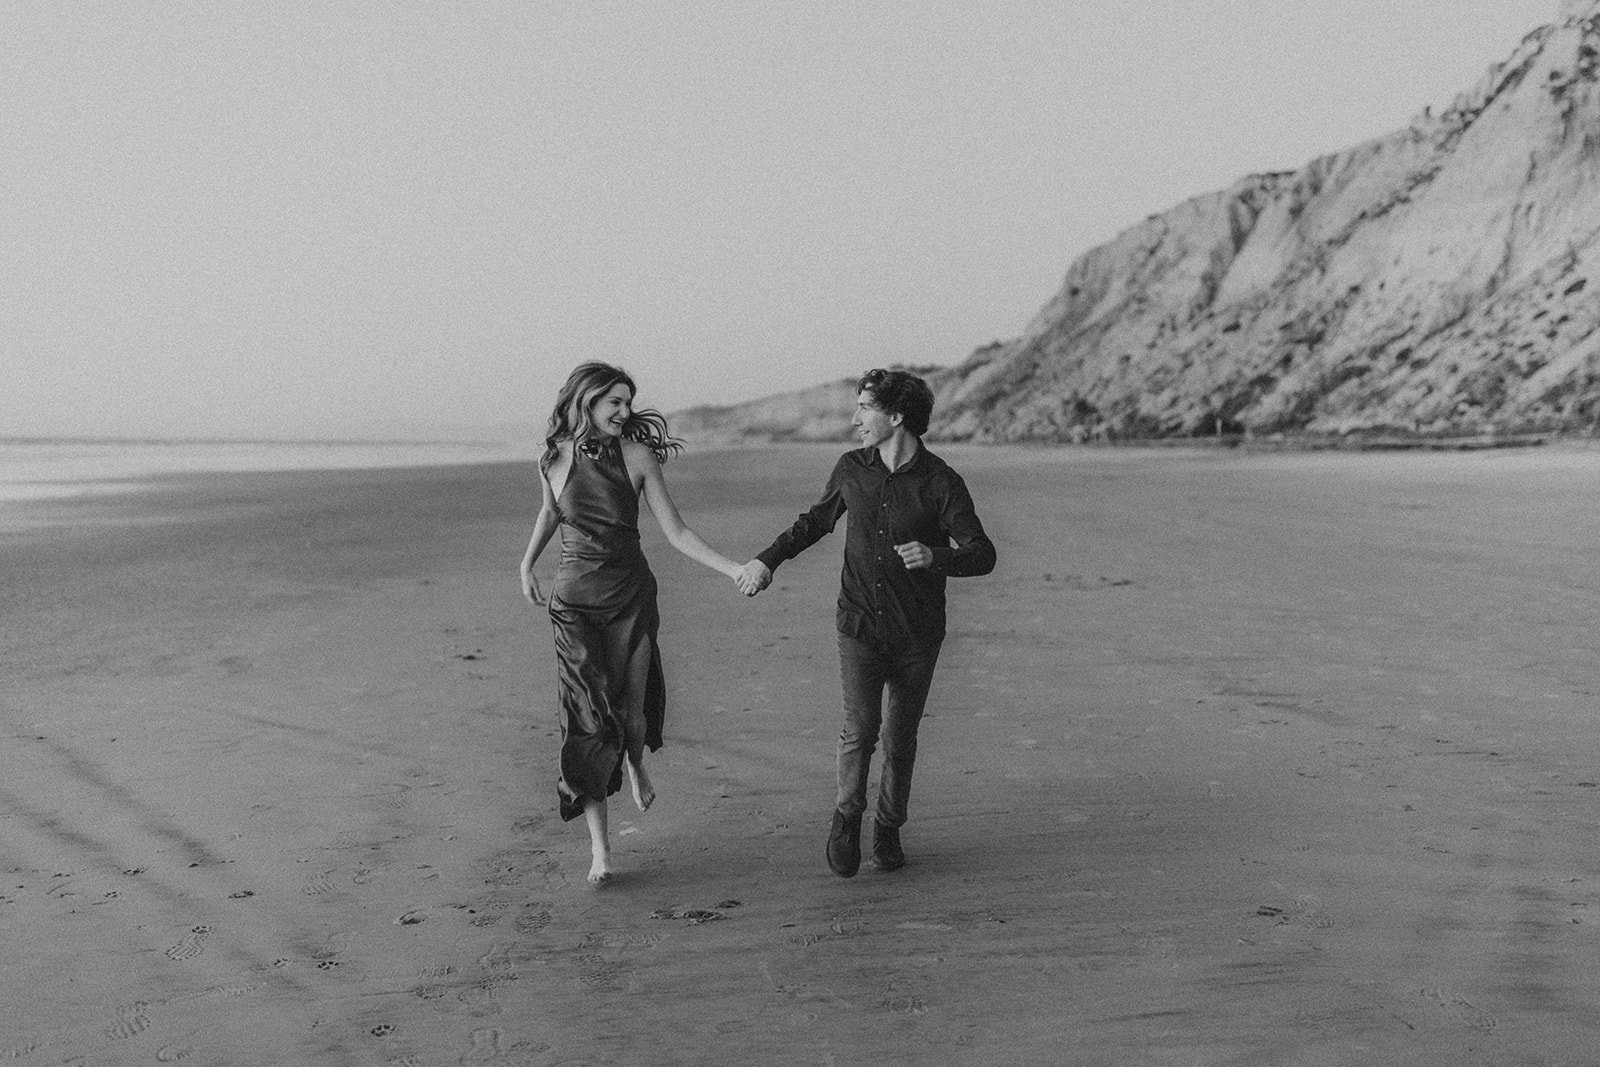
x=41 y=469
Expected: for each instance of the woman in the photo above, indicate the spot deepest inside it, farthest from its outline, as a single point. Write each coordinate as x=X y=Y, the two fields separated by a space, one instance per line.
x=600 y=455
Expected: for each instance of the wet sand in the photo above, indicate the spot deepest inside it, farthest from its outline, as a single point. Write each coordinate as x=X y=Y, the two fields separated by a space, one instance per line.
x=1235 y=759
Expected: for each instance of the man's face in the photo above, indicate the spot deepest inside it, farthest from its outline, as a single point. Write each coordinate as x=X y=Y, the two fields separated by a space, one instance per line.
x=872 y=424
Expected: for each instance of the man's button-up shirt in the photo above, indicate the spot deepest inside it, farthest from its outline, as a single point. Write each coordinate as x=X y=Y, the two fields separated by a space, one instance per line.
x=880 y=599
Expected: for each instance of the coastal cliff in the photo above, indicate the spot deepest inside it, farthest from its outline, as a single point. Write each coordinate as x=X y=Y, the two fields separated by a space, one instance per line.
x=1441 y=280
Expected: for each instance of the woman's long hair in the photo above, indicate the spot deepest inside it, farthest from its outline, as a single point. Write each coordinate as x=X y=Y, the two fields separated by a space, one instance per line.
x=587 y=383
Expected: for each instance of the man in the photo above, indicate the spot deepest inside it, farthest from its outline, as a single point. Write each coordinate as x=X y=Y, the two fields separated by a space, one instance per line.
x=911 y=525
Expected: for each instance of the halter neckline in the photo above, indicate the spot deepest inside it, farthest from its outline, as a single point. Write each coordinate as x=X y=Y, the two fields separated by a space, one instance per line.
x=594 y=449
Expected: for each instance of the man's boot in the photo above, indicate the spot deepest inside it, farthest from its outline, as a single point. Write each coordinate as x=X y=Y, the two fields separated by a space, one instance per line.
x=844 y=845
x=886 y=852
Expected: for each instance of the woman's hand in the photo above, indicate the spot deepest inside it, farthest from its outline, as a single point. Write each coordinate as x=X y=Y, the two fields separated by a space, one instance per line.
x=530 y=587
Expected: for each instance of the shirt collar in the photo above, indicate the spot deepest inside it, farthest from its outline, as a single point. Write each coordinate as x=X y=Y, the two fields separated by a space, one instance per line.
x=871 y=458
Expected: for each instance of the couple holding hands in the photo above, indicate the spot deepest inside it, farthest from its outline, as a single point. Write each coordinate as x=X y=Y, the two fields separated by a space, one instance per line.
x=910 y=526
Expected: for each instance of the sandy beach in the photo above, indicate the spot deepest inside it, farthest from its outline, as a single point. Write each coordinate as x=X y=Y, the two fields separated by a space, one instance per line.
x=1275 y=759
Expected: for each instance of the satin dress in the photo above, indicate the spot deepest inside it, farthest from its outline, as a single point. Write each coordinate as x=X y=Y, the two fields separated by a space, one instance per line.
x=603 y=606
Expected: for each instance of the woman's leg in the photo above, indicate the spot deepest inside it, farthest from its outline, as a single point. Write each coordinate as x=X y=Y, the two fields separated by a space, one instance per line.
x=594 y=813
x=591 y=744
x=644 y=794
x=632 y=648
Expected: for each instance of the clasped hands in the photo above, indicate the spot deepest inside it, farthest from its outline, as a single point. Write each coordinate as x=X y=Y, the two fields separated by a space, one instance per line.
x=752 y=577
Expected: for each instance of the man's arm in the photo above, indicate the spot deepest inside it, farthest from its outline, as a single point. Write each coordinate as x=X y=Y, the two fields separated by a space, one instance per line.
x=972 y=553
x=813 y=524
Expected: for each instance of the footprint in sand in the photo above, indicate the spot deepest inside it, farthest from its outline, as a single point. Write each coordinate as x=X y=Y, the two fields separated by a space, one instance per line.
x=597 y=972
x=437 y=982
x=537 y=918
x=504 y=869
x=1310 y=913
x=364 y=875
x=479 y=998
x=695 y=916
x=1462 y=1010
x=317 y=884
x=550 y=871
x=903 y=1005
x=131 y=1021
x=848 y=922
x=190 y=945
x=221 y=991
x=487 y=1046
x=499 y=959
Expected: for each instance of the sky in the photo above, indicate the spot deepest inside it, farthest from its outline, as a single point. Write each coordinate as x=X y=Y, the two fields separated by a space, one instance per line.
x=412 y=218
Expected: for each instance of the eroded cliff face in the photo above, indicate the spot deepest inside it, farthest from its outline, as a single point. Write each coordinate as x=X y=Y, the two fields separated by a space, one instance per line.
x=1443 y=279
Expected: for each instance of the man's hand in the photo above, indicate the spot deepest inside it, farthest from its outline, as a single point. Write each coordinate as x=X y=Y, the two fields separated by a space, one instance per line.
x=753 y=577
x=915 y=554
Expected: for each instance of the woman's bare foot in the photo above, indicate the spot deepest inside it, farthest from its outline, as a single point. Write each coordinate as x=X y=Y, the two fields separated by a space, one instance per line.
x=644 y=794
x=594 y=813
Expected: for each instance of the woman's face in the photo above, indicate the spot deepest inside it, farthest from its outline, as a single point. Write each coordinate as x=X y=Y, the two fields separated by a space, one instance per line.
x=608 y=413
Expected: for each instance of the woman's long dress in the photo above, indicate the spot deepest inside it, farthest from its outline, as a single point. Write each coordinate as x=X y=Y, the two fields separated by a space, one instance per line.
x=613 y=694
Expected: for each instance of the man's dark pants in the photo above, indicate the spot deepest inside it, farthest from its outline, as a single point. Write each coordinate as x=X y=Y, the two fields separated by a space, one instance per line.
x=866 y=670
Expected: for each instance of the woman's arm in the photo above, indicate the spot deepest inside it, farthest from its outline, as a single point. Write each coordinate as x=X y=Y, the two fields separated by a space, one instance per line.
x=642 y=461
x=543 y=528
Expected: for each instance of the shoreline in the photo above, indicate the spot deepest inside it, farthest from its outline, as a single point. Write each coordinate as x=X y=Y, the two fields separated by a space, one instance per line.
x=34 y=469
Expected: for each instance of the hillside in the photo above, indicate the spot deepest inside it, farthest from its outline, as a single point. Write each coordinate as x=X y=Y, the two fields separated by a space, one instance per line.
x=820 y=413
x=1435 y=281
